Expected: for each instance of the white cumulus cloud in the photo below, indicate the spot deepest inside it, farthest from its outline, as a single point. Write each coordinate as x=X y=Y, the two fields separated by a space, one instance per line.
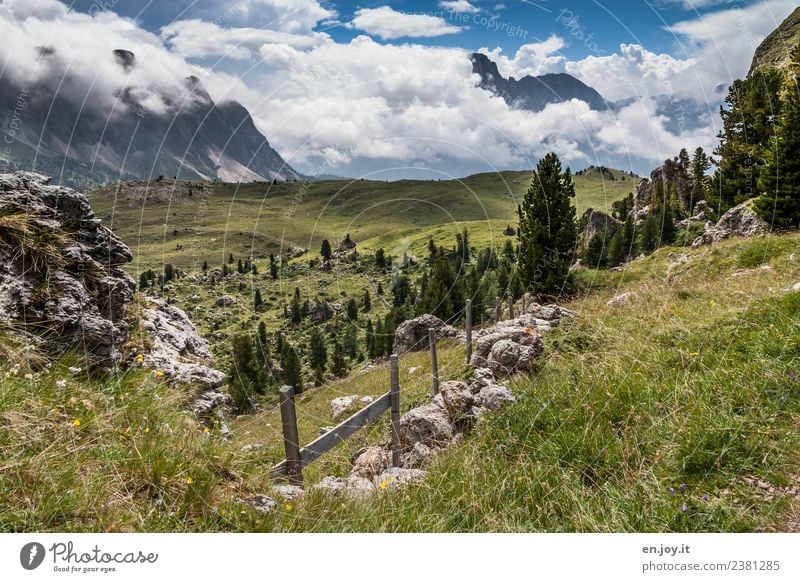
x=388 y=24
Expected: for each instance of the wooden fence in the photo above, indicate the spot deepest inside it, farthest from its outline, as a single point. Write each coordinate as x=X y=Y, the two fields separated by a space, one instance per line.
x=296 y=457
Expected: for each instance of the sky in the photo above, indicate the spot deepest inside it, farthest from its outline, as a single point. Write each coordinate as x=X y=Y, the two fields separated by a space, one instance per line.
x=385 y=89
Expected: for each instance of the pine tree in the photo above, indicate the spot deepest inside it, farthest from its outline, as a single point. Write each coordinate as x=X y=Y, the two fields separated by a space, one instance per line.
x=351 y=309
x=350 y=340
x=319 y=351
x=380 y=342
x=326 y=251
x=338 y=363
x=230 y=259
x=547 y=229
x=596 y=253
x=380 y=258
x=370 y=341
x=700 y=165
x=779 y=203
x=291 y=368
x=205 y=266
x=257 y=300
x=366 y=303
x=401 y=290
x=144 y=281
x=169 y=272
x=245 y=378
x=297 y=312
x=379 y=290
x=240 y=267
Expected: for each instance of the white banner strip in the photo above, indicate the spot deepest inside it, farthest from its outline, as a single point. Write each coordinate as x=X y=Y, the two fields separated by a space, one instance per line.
x=399 y=557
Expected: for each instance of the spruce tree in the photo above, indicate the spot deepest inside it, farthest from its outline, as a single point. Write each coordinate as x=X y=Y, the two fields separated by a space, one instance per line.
x=350 y=340
x=258 y=301
x=379 y=290
x=319 y=351
x=370 y=341
x=291 y=368
x=352 y=309
x=205 y=266
x=366 y=303
x=380 y=258
x=144 y=281
x=700 y=164
x=547 y=229
x=326 y=251
x=779 y=203
x=338 y=363
x=596 y=253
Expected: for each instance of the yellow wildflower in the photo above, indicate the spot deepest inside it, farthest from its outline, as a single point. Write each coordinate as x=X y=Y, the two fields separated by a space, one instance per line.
x=694 y=354
x=384 y=484
x=206 y=430
x=76 y=422
x=288 y=507
x=189 y=480
x=159 y=373
x=140 y=358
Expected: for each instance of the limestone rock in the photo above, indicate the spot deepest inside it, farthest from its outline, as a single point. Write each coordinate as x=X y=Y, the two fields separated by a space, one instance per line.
x=427 y=424
x=371 y=461
x=494 y=397
x=182 y=354
x=225 y=301
x=394 y=477
x=508 y=348
x=740 y=220
x=289 y=492
x=419 y=456
x=412 y=335
x=60 y=270
x=621 y=299
x=342 y=404
x=260 y=502
x=353 y=485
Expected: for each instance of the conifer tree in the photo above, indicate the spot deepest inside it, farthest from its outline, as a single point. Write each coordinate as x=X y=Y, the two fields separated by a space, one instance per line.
x=352 y=309
x=779 y=182
x=326 y=251
x=319 y=351
x=547 y=229
x=338 y=363
x=258 y=301
x=350 y=340
x=292 y=369
x=366 y=303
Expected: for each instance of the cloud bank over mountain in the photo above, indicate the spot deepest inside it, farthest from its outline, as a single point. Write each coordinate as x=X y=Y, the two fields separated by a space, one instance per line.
x=372 y=104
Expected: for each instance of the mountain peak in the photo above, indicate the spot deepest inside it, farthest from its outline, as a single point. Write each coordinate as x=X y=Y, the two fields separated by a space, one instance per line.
x=534 y=93
x=775 y=50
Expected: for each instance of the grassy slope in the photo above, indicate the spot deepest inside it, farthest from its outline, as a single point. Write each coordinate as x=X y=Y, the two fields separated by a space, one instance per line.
x=693 y=382
x=260 y=218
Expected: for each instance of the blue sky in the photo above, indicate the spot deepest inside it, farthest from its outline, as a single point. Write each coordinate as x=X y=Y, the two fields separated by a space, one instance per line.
x=385 y=89
x=516 y=22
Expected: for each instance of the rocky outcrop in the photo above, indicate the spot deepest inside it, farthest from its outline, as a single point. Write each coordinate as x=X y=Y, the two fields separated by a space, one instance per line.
x=595 y=222
x=60 y=270
x=412 y=335
x=178 y=351
x=740 y=220
x=776 y=49
x=641 y=199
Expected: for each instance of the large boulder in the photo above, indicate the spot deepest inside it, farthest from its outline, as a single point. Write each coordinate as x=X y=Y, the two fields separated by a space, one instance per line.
x=508 y=347
x=740 y=220
x=427 y=424
x=412 y=335
x=60 y=270
x=176 y=349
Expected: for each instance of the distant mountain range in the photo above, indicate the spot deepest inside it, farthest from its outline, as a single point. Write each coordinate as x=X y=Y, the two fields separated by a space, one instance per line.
x=81 y=145
x=534 y=93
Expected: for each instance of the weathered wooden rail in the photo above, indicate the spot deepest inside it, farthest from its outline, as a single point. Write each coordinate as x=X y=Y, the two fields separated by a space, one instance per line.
x=297 y=458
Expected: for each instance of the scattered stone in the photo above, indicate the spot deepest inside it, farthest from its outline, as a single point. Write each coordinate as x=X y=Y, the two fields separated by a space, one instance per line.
x=796 y=287
x=621 y=299
x=355 y=486
x=252 y=447
x=225 y=301
x=289 y=492
x=371 y=461
x=341 y=405
x=260 y=503
x=494 y=397
x=395 y=477
x=427 y=424
x=412 y=335
x=419 y=456
x=507 y=348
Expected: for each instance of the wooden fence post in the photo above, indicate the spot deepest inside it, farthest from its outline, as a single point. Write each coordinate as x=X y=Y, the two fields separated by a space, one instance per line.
x=469 y=330
x=394 y=397
x=434 y=360
x=291 y=440
x=498 y=310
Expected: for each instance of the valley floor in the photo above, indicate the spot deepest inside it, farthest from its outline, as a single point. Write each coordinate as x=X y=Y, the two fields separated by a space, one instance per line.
x=677 y=410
